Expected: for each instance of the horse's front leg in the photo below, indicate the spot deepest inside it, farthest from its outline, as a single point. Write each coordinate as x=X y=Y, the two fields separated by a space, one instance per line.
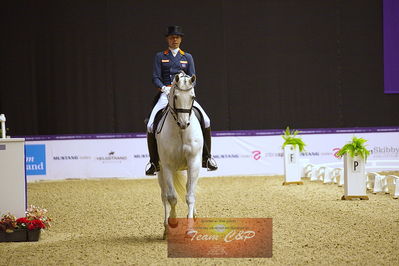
x=194 y=166
x=170 y=196
x=165 y=202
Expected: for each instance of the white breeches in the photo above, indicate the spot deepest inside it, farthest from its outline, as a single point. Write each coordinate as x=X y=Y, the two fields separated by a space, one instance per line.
x=162 y=103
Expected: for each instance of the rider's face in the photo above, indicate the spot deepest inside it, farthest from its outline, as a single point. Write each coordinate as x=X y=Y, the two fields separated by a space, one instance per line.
x=174 y=41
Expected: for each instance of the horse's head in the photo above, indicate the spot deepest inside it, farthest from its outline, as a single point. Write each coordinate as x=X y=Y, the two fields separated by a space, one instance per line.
x=181 y=99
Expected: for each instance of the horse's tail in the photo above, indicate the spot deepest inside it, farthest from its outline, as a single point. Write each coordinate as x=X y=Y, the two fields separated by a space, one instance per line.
x=179 y=181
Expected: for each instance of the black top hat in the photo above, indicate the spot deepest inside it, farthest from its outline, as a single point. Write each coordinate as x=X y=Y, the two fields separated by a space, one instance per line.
x=174 y=30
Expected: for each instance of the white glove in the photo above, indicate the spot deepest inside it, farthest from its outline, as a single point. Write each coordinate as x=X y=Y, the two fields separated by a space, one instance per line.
x=165 y=89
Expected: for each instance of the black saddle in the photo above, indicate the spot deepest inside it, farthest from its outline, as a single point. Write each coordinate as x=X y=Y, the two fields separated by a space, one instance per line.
x=162 y=115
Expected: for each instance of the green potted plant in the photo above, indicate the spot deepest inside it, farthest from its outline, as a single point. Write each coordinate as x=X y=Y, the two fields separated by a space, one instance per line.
x=292 y=146
x=355 y=148
x=355 y=155
x=291 y=138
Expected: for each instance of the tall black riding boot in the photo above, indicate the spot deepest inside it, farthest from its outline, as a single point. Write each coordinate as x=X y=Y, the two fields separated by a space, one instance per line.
x=207 y=160
x=154 y=158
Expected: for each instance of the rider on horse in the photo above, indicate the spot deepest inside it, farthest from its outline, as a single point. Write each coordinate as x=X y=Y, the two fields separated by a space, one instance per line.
x=166 y=65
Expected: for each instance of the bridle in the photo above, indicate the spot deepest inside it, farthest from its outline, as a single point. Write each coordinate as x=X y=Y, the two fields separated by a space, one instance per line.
x=174 y=110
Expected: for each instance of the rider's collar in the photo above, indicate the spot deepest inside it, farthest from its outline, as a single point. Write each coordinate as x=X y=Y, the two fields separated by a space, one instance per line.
x=174 y=53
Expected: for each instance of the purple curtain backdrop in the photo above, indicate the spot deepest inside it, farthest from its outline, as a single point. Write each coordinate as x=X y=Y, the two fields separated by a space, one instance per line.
x=391 y=46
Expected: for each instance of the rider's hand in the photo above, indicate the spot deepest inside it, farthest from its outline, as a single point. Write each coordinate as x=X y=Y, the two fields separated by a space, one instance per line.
x=165 y=89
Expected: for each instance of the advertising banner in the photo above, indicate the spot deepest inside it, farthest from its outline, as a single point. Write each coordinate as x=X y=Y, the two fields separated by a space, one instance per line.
x=91 y=158
x=236 y=153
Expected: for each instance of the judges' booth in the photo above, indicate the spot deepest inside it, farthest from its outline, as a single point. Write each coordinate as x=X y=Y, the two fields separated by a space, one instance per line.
x=12 y=177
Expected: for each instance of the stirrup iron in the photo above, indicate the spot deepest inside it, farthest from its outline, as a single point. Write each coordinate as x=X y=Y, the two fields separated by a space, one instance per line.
x=148 y=168
x=211 y=161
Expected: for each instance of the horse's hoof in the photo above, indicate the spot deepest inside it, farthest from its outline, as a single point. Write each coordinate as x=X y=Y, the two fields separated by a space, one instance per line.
x=173 y=222
x=194 y=217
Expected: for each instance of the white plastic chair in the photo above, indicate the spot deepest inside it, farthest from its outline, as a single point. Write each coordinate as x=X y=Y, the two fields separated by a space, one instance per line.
x=307 y=170
x=320 y=173
x=313 y=176
x=324 y=173
x=310 y=171
x=393 y=185
x=376 y=182
x=370 y=180
x=304 y=165
x=336 y=175
x=328 y=175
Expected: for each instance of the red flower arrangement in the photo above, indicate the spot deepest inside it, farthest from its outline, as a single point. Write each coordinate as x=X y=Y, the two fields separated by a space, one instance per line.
x=35 y=219
x=30 y=224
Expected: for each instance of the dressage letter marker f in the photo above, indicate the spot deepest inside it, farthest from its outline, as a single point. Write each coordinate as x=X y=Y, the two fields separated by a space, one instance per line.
x=291 y=157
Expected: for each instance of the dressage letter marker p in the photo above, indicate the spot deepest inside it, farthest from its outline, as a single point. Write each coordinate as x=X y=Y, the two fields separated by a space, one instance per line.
x=355 y=177
x=355 y=165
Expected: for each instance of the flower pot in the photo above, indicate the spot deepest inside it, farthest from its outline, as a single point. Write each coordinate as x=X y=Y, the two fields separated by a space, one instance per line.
x=34 y=235
x=18 y=235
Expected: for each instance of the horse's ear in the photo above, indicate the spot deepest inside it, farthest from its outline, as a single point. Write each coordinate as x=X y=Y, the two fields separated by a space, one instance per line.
x=193 y=78
x=176 y=78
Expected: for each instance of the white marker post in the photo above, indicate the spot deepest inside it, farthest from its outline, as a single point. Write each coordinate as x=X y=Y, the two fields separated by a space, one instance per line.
x=3 y=126
x=12 y=174
x=355 y=178
x=292 y=166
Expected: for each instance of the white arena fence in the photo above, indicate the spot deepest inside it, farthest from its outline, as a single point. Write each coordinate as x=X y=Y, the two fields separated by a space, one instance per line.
x=333 y=173
x=238 y=153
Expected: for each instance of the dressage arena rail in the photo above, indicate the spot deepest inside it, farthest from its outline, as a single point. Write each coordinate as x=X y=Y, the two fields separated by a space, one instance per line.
x=332 y=173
